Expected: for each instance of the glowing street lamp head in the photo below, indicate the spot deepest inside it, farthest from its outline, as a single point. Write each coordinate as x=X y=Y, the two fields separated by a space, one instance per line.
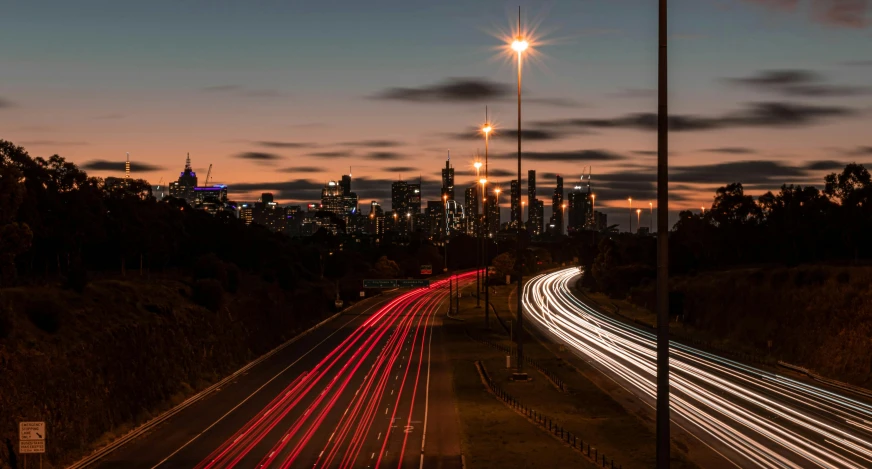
x=520 y=45
x=482 y=181
x=477 y=165
x=497 y=190
x=638 y=211
x=487 y=128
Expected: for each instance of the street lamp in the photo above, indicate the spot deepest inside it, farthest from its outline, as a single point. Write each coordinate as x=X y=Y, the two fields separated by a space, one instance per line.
x=564 y=222
x=638 y=218
x=651 y=225
x=630 y=200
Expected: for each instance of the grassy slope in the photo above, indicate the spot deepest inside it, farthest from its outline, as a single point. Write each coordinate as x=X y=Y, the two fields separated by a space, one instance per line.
x=819 y=317
x=128 y=349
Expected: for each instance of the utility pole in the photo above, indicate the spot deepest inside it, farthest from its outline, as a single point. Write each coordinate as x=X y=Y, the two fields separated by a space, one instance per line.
x=662 y=246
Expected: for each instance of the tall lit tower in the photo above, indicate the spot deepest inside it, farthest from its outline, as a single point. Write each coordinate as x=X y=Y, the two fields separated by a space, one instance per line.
x=127 y=169
x=448 y=179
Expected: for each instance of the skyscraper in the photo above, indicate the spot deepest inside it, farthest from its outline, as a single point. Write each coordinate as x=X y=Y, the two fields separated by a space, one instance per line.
x=184 y=187
x=331 y=198
x=557 y=207
x=399 y=196
x=493 y=215
x=515 y=203
x=580 y=209
x=470 y=205
x=448 y=180
x=345 y=184
x=536 y=220
x=531 y=186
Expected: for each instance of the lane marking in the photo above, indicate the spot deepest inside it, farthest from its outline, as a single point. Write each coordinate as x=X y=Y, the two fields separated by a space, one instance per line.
x=258 y=389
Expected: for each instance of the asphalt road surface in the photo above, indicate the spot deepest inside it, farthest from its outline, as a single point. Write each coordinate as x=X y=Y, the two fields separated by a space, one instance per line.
x=753 y=417
x=370 y=389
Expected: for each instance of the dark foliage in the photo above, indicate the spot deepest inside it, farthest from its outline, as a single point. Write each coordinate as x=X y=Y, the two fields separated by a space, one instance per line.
x=45 y=314
x=77 y=277
x=5 y=321
x=209 y=293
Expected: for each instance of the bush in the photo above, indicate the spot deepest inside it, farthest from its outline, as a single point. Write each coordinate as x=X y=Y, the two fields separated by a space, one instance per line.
x=209 y=293
x=77 y=278
x=233 y=278
x=5 y=322
x=210 y=266
x=843 y=277
x=45 y=314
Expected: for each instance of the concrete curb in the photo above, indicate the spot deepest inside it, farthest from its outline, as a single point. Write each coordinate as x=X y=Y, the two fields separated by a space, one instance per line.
x=98 y=454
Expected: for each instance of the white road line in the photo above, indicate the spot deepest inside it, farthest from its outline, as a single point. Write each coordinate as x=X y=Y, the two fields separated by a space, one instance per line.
x=258 y=389
x=426 y=394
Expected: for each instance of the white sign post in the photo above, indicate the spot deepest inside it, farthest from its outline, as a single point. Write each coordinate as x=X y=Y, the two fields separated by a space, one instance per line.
x=31 y=438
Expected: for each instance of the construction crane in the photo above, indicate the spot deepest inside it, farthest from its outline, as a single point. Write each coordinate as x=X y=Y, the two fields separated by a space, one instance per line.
x=208 y=173
x=160 y=183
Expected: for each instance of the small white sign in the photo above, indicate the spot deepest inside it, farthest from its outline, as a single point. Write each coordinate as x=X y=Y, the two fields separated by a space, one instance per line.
x=31 y=446
x=31 y=431
x=362 y=294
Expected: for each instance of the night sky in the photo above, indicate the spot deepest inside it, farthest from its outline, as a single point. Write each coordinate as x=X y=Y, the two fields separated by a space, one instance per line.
x=283 y=96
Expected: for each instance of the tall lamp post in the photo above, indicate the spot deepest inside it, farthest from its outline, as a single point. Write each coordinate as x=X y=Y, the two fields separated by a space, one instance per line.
x=486 y=237
x=630 y=200
x=662 y=245
x=445 y=213
x=564 y=226
x=651 y=222
x=519 y=45
x=476 y=229
x=638 y=219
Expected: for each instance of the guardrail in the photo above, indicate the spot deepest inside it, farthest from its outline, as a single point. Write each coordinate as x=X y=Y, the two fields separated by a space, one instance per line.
x=836 y=384
x=535 y=364
x=546 y=423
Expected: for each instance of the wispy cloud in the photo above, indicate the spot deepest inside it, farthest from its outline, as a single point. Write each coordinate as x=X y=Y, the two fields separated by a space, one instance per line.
x=451 y=90
x=135 y=166
x=579 y=155
x=800 y=83
x=761 y=114
x=330 y=154
x=302 y=169
x=274 y=144
x=258 y=157
x=373 y=143
x=732 y=150
x=5 y=103
x=383 y=156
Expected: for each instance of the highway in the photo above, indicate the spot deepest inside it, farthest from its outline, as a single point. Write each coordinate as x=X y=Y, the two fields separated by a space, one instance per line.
x=372 y=391
x=753 y=417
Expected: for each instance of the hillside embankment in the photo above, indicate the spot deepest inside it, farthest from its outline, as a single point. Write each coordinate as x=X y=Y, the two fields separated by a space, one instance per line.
x=95 y=364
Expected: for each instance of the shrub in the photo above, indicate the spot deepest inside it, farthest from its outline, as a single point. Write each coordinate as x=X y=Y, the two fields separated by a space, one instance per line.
x=843 y=277
x=233 y=278
x=5 y=322
x=77 y=278
x=209 y=293
x=210 y=266
x=45 y=314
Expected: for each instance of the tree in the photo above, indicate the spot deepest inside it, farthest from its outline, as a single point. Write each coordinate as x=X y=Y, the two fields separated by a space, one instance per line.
x=504 y=264
x=386 y=268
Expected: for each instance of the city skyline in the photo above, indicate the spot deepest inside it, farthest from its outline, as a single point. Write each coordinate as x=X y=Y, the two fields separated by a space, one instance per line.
x=762 y=96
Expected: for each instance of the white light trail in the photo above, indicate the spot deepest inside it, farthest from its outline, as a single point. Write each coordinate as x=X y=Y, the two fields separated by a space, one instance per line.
x=754 y=417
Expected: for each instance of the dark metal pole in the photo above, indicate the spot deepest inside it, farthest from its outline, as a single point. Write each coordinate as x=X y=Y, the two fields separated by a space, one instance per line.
x=486 y=240
x=476 y=228
x=519 y=260
x=662 y=247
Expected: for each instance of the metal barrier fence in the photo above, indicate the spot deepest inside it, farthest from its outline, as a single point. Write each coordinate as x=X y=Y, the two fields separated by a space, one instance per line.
x=546 y=423
x=535 y=364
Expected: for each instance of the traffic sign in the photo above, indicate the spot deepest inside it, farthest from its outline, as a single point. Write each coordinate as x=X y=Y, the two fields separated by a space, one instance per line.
x=32 y=437
x=379 y=283
x=426 y=269
x=31 y=446
x=413 y=283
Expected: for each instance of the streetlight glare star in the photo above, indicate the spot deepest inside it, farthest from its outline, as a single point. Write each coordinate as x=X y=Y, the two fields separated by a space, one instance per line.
x=520 y=45
x=482 y=181
x=477 y=164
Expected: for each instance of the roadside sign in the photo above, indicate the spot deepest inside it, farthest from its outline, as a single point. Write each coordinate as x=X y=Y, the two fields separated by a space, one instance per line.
x=31 y=446
x=426 y=269
x=32 y=437
x=379 y=283
x=362 y=294
x=413 y=283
